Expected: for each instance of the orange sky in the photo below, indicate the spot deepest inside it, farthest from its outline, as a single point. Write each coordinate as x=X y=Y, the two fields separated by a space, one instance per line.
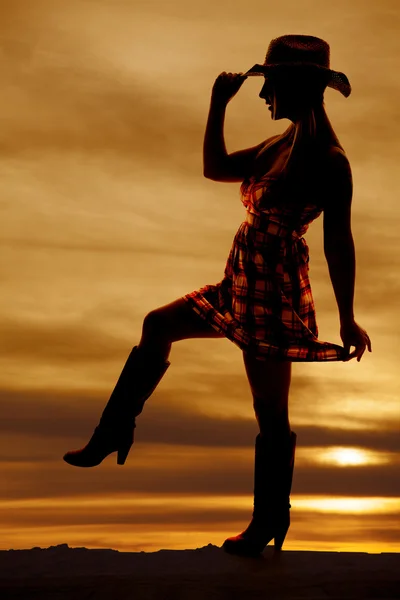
x=106 y=215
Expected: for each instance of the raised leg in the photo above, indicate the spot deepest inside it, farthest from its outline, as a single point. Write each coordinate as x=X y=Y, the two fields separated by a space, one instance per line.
x=149 y=360
x=170 y=323
x=142 y=372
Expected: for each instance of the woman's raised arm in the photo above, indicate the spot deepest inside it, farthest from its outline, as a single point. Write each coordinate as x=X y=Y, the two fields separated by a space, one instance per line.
x=218 y=164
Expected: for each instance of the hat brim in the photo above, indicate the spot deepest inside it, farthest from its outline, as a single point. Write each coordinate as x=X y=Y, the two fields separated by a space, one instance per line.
x=258 y=70
x=336 y=79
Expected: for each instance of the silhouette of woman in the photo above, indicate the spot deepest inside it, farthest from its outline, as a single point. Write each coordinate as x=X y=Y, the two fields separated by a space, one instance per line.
x=264 y=302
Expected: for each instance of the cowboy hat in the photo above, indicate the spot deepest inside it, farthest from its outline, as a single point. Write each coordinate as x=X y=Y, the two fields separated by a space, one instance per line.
x=304 y=52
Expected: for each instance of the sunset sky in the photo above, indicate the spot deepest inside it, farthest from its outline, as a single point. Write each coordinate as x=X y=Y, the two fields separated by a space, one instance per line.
x=106 y=215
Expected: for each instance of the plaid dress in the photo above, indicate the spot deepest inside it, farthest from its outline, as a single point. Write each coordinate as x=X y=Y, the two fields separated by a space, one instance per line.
x=264 y=302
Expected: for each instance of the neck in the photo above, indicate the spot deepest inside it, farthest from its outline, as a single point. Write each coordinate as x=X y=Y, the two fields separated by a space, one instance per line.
x=315 y=124
x=307 y=138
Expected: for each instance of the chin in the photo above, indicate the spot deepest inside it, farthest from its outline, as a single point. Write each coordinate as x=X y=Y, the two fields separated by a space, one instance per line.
x=278 y=117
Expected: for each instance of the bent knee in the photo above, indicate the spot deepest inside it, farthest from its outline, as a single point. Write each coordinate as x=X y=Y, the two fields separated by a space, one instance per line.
x=155 y=324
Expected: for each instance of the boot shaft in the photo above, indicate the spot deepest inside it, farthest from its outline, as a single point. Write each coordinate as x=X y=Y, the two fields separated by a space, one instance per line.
x=273 y=474
x=139 y=378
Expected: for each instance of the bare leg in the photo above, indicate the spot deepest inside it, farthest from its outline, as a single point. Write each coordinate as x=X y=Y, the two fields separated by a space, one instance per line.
x=274 y=458
x=170 y=323
x=270 y=382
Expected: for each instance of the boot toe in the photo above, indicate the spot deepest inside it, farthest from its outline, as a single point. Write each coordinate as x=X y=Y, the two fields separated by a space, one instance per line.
x=243 y=546
x=76 y=459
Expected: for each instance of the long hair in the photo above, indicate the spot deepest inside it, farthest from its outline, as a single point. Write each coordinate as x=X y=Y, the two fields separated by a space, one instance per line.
x=313 y=133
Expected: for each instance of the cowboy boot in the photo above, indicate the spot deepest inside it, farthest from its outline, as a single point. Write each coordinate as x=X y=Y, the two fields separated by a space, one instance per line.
x=273 y=475
x=115 y=431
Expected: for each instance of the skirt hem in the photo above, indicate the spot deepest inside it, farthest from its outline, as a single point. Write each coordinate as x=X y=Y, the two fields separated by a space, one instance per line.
x=261 y=349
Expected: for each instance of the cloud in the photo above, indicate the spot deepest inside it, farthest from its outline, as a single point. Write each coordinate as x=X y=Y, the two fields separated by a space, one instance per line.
x=184 y=470
x=116 y=513
x=71 y=418
x=69 y=86
x=73 y=107
x=58 y=343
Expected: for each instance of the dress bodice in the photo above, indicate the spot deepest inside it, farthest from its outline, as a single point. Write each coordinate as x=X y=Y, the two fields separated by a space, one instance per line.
x=266 y=207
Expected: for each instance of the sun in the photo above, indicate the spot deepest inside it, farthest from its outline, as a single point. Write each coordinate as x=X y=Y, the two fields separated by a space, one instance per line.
x=347 y=456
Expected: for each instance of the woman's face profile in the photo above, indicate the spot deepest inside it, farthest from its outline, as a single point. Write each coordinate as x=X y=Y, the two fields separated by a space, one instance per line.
x=285 y=94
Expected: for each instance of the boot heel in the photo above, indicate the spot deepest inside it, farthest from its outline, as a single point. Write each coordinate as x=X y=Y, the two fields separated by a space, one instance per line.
x=279 y=537
x=123 y=452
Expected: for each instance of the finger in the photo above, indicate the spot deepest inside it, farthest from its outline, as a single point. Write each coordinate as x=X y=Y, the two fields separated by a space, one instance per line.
x=347 y=349
x=369 y=344
x=360 y=349
x=359 y=357
x=353 y=354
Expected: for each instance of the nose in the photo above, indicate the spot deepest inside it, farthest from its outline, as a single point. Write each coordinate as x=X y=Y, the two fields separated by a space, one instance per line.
x=264 y=94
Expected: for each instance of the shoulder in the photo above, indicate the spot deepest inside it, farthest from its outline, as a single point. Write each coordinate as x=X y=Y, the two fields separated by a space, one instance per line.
x=336 y=162
x=337 y=194
x=335 y=178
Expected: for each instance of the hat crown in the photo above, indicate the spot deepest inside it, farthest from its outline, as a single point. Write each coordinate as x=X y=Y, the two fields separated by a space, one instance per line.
x=298 y=49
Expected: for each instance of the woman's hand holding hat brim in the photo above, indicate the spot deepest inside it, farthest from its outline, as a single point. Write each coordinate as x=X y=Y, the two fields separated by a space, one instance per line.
x=256 y=70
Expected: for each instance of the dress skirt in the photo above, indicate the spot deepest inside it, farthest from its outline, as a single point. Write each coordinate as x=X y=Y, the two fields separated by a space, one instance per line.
x=264 y=302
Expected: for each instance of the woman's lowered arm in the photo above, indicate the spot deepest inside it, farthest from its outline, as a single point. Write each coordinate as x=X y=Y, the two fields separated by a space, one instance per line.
x=338 y=239
x=340 y=253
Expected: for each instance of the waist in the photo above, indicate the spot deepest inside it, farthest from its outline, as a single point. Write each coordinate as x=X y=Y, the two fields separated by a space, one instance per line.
x=266 y=224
